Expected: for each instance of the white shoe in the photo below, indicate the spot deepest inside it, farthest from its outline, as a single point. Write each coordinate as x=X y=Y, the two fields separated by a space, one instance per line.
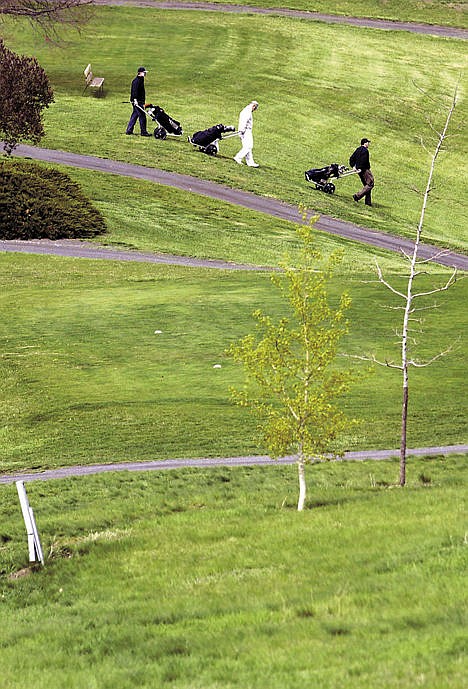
x=253 y=164
x=239 y=162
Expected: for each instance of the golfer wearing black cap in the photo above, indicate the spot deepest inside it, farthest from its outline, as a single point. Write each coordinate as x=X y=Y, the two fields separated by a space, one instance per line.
x=360 y=161
x=137 y=98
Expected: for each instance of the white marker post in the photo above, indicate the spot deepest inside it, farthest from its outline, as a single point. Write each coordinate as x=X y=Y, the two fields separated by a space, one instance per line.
x=34 y=543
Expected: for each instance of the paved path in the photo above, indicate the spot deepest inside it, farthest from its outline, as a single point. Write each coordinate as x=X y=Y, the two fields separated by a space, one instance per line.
x=261 y=460
x=74 y=248
x=387 y=25
x=269 y=206
x=273 y=207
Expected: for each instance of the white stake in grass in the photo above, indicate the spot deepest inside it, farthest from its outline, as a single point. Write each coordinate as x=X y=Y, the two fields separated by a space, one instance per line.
x=34 y=543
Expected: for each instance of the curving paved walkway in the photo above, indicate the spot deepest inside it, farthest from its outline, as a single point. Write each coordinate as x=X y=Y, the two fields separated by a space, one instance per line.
x=248 y=200
x=273 y=207
x=261 y=460
x=75 y=248
x=364 y=22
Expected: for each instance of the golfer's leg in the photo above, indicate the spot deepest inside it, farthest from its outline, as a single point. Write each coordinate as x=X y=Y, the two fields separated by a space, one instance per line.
x=142 y=118
x=248 y=142
x=244 y=150
x=132 y=120
x=364 y=190
x=249 y=157
x=369 y=179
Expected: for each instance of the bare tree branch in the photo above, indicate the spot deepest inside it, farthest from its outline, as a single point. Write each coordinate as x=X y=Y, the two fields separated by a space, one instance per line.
x=48 y=15
x=53 y=9
x=387 y=284
x=422 y=364
x=451 y=281
x=373 y=359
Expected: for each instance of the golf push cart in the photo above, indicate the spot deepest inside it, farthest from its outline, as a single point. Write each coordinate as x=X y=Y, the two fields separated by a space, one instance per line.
x=321 y=176
x=167 y=124
x=207 y=140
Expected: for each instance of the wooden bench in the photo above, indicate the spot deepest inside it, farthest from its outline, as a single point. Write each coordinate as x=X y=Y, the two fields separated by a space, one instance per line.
x=92 y=82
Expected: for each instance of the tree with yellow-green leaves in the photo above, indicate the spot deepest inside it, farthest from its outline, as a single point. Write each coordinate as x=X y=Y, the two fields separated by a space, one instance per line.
x=293 y=380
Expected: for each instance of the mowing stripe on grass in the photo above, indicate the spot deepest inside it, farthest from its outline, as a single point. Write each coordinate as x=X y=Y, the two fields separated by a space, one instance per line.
x=273 y=207
x=364 y=22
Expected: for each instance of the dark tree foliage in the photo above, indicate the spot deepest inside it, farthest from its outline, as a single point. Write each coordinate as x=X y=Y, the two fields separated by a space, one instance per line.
x=39 y=202
x=25 y=93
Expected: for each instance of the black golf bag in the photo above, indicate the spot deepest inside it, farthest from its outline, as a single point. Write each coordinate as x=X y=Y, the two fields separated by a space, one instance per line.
x=320 y=176
x=168 y=125
x=207 y=140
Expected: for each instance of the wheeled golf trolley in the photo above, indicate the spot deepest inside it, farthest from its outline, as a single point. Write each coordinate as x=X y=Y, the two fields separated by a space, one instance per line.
x=321 y=176
x=207 y=140
x=167 y=124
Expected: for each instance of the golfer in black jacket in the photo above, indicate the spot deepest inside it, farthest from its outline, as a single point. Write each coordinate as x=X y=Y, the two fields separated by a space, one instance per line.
x=360 y=161
x=138 y=98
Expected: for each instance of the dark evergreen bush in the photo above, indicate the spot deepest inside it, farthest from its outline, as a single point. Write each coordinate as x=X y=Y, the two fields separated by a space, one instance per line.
x=38 y=202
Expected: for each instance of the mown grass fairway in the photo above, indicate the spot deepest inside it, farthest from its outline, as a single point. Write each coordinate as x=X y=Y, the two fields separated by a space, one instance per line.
x=210 y=580
x=427 y=11
x=320 y=88
x=84 y=377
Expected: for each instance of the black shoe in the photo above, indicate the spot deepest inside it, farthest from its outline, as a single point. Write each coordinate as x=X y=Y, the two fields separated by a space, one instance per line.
x=355 y=197
x=145 y=134
x=369 y=204
x=129 y=133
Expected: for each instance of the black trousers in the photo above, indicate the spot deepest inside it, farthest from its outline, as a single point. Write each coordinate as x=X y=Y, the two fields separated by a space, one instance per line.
x=137 y=114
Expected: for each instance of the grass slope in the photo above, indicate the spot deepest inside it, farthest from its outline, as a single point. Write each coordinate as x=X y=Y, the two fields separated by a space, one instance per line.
x=84 y=377
x=194 y=579
x=429 y=11
x=320 y=89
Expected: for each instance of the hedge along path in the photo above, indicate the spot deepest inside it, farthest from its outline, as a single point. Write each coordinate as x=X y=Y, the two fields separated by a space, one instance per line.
x=273 y=207
x=384 y=24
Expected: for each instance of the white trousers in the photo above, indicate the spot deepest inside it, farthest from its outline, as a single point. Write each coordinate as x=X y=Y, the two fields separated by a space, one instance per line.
x=247 y=146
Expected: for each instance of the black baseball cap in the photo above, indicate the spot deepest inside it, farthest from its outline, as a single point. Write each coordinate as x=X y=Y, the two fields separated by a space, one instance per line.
x=365 y=141
x=141 y=69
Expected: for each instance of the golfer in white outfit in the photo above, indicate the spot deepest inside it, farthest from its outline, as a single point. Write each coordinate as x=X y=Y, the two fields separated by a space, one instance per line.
x=245 y=130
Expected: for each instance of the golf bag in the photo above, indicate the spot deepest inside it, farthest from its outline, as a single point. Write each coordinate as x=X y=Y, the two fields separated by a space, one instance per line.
x=168 y=125
x=207 y=140
x=321 y=176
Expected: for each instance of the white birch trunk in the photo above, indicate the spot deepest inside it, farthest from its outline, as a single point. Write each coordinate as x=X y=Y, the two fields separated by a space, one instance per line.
x=302 y=483
x=404 y=359
x=409 y=298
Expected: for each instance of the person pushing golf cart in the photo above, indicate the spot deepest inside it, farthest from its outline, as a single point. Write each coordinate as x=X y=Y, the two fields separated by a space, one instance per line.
x=246 y=136
x=137 y=99
x=207 y=140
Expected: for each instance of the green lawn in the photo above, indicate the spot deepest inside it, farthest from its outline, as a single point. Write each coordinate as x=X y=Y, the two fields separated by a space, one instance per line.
x=85 y=378
x=320 y=89
x=442 y=12
x=211 y=580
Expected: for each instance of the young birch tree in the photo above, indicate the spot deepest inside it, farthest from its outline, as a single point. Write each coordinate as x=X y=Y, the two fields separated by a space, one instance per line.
x=292 y=383
x=410 y=296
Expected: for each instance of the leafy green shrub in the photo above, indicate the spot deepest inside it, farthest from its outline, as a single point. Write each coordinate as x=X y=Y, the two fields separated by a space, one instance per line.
x=38 y=202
